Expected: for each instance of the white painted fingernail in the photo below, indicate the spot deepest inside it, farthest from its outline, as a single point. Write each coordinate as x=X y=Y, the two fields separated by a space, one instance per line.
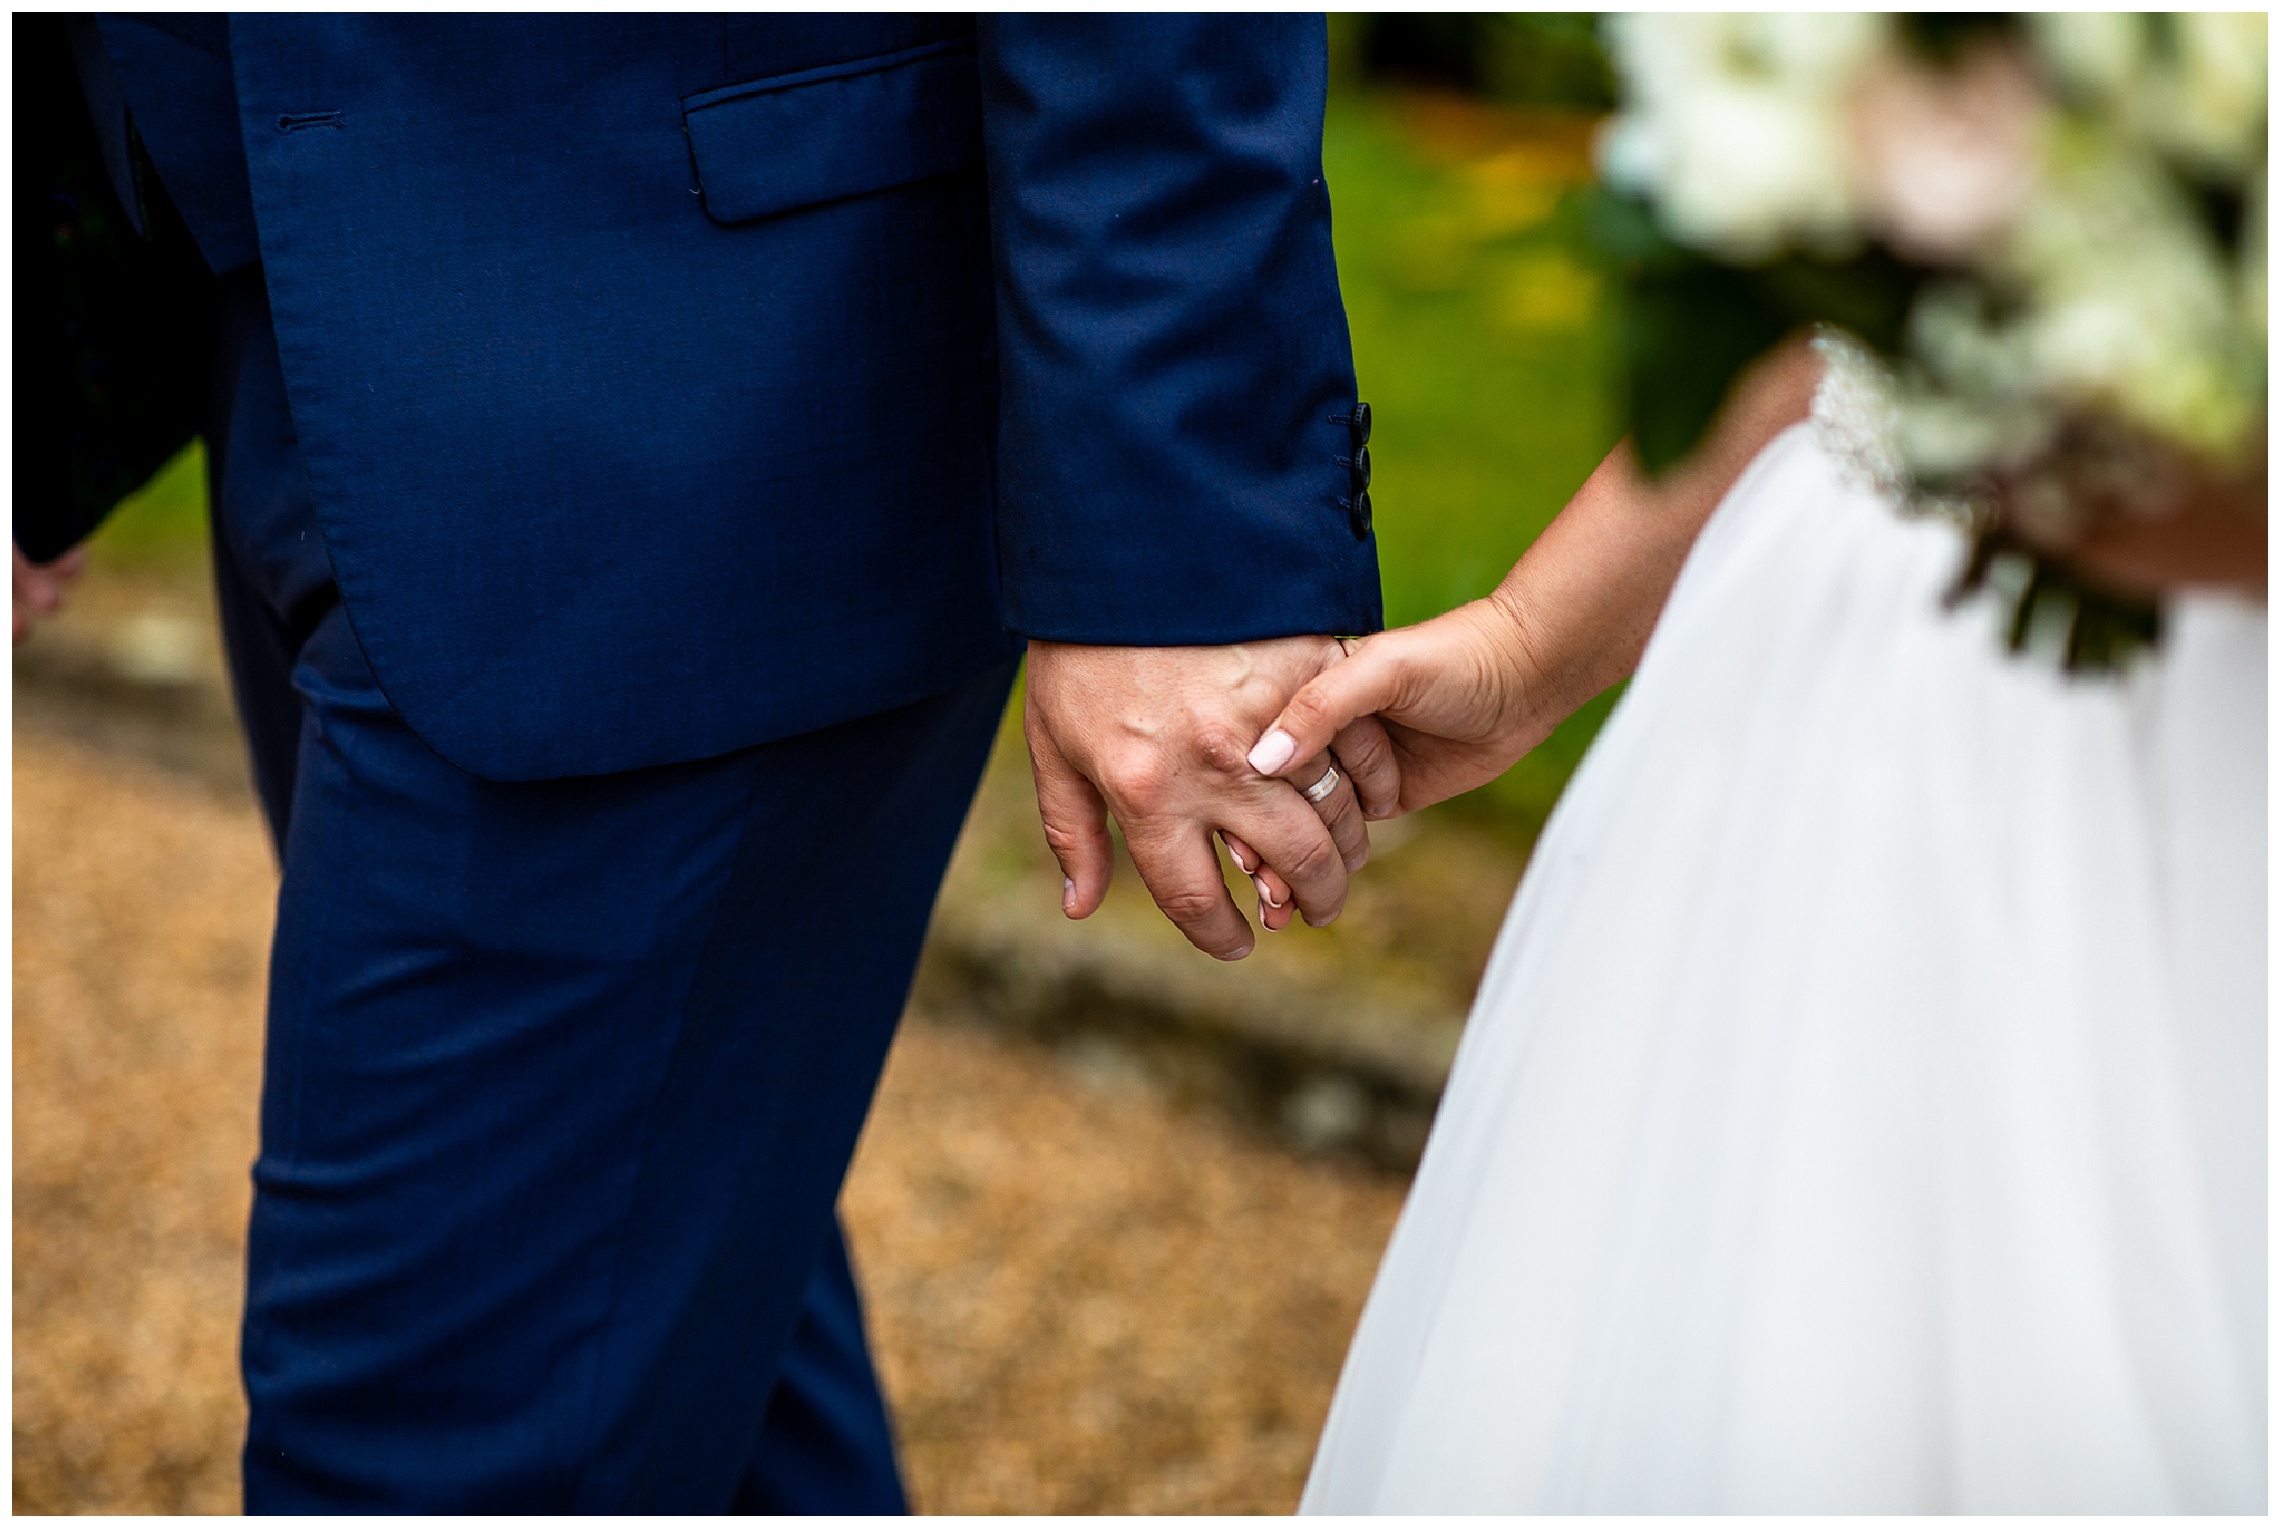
x=1273 y=751
x=1265 y=895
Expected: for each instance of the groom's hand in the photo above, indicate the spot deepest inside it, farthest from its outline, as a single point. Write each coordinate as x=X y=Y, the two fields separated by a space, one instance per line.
x=1158 y=736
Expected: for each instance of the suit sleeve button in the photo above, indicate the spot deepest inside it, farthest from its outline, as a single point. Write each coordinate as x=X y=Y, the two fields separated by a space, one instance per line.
x=1359 y=511
x=1361 y=424
x=1361 y=469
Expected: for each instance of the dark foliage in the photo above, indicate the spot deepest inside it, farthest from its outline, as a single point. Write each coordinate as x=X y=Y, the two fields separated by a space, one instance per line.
x=1692 y=326
x=113 y=329
x=1540 y=58
x=2101 y=629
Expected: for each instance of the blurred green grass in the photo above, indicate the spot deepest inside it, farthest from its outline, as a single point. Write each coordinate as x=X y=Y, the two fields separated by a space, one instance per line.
x=1482 y=338
x=160 y=528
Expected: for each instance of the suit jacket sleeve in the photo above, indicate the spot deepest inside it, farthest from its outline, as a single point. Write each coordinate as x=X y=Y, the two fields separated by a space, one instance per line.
x=1177 y=443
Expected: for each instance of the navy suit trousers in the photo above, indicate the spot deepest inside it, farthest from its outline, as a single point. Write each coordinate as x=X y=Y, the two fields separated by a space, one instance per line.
x=562 y=1076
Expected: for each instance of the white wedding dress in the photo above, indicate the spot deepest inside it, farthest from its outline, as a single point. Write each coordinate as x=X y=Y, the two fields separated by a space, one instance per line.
x=1864 y=1109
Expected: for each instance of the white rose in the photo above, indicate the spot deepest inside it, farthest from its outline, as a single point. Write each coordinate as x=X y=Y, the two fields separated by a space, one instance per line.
x=2129 y=305
x=1734 y=126
x=2192 y=84
x=1751 y=171
x=2204 y=101
x=2097 y=53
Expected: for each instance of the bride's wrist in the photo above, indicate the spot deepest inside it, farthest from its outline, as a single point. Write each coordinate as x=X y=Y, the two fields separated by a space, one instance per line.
x=1526 y=690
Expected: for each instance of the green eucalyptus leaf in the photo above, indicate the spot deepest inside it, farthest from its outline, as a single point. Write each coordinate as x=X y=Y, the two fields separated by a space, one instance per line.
x=1623 y=229
x=1868 y=295
x=1688 y=333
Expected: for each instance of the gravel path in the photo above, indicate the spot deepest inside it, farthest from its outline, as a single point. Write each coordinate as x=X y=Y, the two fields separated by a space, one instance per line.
x=1084 y=1298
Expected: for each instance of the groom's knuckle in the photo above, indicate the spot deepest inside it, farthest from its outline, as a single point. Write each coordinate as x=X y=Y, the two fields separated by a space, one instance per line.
x=1189 y=904
x=1142 y=781
x=1134 y=776
x=1221 y=750
x=1365 y=750
x=1317 y=859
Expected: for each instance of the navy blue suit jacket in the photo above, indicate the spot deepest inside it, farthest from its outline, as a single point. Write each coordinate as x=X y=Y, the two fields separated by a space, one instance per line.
x=669 y=384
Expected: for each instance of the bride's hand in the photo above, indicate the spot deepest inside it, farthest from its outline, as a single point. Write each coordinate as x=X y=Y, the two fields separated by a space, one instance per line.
x=1461 y=697
x=1450 y=693
x=2168 y=525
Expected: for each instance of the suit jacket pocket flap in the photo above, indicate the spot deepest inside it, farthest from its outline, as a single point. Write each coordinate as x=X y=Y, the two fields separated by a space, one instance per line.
x=823 y=134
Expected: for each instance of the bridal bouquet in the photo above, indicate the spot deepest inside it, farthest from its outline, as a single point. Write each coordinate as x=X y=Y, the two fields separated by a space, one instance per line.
x=2050 y=229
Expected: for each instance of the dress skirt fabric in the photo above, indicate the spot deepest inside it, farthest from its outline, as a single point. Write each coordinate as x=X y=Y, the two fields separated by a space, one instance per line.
x=1864 y=1109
